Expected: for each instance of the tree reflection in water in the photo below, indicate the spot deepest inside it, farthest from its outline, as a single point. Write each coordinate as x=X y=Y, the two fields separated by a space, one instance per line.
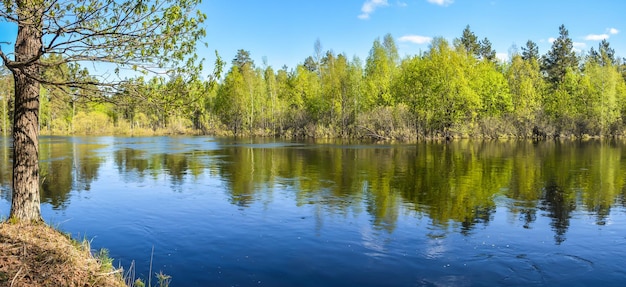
x=454 y=185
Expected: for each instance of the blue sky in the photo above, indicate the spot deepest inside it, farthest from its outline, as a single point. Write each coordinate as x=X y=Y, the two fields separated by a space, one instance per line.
x=284 y=31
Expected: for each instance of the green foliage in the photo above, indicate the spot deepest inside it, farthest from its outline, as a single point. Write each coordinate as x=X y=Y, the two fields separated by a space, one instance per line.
x=486 y=52
x=53 y=37
x=469 y=42
x=526 y=85
x=560 y=58
x=92 y=123
x=380 y=69
x=106 y=262
x=447 y=90
x=446 y=95
x=559 y=103
x=599 y=101
x=231 y=100
x=157 y=36
x=6 y=90
x=163 y=279
x=605 y=55
x=493 y=90
x=130 y=35
x=530 y=52
x=242 y=60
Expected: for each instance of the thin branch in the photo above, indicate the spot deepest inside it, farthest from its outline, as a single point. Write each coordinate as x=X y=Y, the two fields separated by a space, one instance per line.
x=5 y=59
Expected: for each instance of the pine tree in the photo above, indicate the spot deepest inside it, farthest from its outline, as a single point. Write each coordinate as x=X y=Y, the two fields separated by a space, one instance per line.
x=560 y=57
x=469 y=42
x=530 y=51
x=605 y=55
x=486 y=52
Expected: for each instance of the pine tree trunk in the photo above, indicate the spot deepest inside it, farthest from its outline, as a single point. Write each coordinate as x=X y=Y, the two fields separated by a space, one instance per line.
x=25 y=205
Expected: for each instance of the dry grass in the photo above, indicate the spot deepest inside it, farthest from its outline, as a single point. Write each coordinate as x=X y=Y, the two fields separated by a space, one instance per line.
x=38 y=255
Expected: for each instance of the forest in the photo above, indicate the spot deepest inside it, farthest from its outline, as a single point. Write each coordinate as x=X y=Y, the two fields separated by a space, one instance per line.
x=455 y=89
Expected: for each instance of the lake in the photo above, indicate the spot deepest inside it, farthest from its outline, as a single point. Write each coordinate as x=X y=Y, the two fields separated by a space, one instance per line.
x=243 y=212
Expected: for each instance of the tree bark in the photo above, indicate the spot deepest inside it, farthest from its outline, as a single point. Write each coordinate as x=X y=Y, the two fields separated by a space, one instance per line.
x=25 y=204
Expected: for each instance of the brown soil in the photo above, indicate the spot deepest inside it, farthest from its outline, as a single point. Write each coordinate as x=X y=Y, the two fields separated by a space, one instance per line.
x=38 y=255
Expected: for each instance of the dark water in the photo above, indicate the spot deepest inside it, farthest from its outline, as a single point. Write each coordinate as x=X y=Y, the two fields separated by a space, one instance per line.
x=222 y=212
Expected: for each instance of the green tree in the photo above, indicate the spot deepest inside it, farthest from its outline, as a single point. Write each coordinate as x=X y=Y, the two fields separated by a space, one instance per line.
x=492 y=88
x=486 y=51
x=340 y=89
x=472 y=46
x=560 y=58
x=242 y=59
x=310 y=64
x=408 y=89
x=604 y=56
x=251 y=79
x=6 y=89
x=622 y=68
x=527 y=87
x=445 y=97
x=203 y=93
x=127 y=34
x=560 y=102
x=59 y=102
x=352 y=96
x=182 y=103
x=392 y=50
x=380 y=69
x=530 y=51
x=469 y=42
x=132 y=105
x=283 y=92
x=332 y=70
x=230 y=102
x=272 y=104
x=306 y=95
x=599 y=101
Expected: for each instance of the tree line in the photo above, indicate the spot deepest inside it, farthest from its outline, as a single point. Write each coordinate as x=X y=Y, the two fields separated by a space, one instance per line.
x=454 y=89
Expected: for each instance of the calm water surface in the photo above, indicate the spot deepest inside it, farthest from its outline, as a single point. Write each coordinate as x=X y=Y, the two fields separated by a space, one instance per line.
x=223 y=212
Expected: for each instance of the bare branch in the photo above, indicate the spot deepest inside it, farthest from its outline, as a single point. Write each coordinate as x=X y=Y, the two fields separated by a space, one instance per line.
x=5 y=59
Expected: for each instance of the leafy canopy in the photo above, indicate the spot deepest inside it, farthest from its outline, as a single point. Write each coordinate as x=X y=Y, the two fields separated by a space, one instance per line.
x=137 y=35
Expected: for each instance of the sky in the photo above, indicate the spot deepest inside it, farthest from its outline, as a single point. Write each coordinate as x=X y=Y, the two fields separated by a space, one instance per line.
x=283 y=32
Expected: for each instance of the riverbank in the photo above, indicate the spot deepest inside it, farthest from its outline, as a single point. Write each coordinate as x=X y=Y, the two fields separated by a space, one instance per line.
x=39 y=255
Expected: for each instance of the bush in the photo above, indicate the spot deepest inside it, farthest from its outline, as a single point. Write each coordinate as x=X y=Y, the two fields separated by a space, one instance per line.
x=92 y=123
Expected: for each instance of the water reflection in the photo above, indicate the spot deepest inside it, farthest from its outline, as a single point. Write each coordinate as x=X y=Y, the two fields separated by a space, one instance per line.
x=66 y=166
x=455 y=186
x=5 y=168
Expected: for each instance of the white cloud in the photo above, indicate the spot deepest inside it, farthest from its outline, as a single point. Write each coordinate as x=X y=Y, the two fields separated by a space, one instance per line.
x=578 y=46
x=596 y=37
x=599 y=37
x=416 y=39
x=441 y=2
x=402 y=4
x=502 y=56
x=551 y=39
x=370 y=6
